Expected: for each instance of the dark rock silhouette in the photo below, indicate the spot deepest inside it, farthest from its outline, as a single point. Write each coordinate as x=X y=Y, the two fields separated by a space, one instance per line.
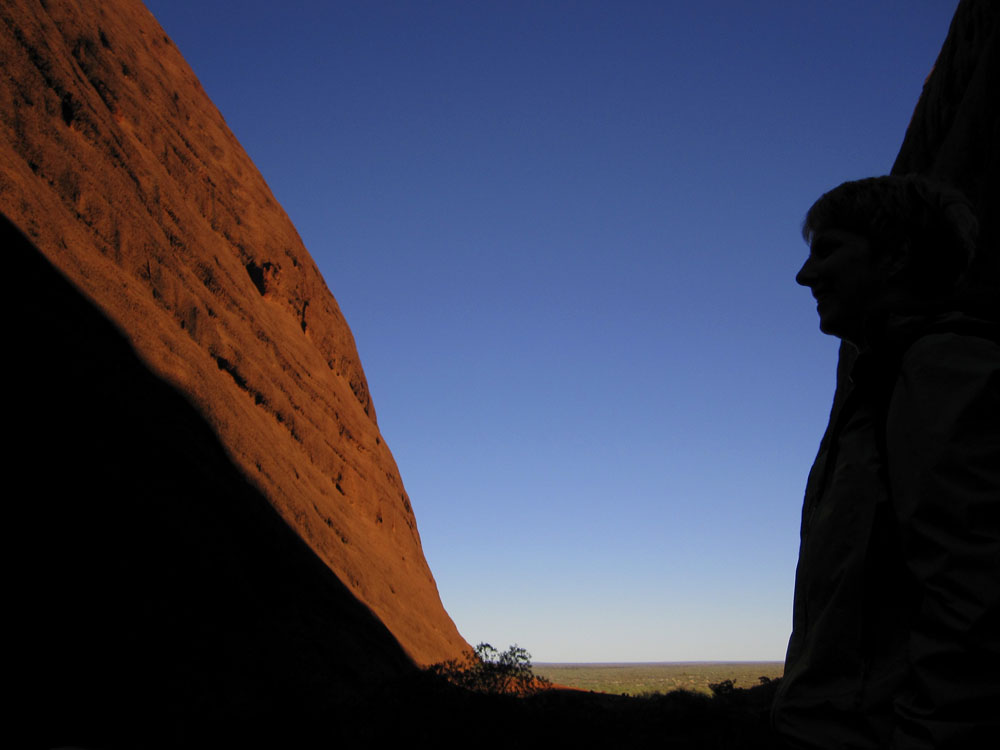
x=954 y=135
x=119 y=169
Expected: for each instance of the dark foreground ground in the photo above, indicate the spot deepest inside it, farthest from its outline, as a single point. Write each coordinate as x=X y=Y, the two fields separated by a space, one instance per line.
x=423 y=711
x=732 y=718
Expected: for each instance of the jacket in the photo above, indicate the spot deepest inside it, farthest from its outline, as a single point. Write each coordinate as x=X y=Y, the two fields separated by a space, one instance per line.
x=896 y=618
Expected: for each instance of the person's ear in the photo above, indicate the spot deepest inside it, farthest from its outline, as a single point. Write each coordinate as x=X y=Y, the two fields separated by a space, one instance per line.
x=900 y=261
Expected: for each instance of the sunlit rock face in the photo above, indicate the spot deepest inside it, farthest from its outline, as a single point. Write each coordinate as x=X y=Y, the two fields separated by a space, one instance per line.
x=118 y=168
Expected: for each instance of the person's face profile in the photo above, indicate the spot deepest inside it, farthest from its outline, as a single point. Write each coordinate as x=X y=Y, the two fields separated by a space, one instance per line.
x=847 y=276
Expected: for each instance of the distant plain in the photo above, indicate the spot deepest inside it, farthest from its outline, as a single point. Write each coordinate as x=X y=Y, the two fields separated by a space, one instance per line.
x=638 y=678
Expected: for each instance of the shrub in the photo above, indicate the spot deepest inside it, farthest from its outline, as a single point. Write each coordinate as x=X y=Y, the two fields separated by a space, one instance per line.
x=726 y=687
x=488 y=670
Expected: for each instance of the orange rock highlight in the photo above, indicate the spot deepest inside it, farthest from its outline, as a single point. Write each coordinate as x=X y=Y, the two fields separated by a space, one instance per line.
x=119 y=168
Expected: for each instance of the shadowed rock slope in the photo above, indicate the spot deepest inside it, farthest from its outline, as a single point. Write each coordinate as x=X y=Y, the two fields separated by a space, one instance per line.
x=155 y=597
x=955 y=131
x=119 y=169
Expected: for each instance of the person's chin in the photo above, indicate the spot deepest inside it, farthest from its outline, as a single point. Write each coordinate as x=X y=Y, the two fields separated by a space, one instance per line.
x=832 y=320
x=828 y=325
x=840 y=328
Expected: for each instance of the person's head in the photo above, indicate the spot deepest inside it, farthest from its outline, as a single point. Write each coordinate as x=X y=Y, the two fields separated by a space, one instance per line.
x=885 y=244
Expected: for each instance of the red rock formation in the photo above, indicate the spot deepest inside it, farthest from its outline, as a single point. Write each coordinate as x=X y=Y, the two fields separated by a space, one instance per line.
x=117 y=166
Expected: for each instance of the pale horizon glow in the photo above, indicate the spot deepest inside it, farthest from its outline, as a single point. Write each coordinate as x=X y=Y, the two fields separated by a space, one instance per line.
x=564 y=236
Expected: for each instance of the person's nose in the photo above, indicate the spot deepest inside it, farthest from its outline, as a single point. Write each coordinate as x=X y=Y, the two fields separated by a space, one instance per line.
x=807 y=274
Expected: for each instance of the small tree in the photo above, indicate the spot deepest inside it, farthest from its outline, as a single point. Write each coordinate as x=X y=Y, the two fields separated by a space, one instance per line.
x=491 y=671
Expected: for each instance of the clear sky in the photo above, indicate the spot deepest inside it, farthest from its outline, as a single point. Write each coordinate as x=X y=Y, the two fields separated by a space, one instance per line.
x=564 y=235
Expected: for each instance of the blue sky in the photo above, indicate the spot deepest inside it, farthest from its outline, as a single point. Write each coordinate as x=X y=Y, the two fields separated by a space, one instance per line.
x=564 y=235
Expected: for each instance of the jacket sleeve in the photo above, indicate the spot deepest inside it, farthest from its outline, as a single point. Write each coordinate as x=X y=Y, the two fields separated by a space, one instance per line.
x=943 y=448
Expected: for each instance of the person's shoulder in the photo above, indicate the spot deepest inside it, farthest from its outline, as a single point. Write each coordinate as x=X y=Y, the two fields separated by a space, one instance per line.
x=948 y=383
x=946 y=347
x=957 y=346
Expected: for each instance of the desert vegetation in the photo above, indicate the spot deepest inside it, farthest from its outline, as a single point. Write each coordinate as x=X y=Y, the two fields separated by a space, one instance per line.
x=638 y=679
x=488 y=670
x=502 y=688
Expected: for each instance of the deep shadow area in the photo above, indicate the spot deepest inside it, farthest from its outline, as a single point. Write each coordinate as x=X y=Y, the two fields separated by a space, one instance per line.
x=157 y=596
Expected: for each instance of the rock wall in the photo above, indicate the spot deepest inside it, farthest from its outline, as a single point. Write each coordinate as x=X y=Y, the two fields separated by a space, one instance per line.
x=153 y=595
x=955 y=131
x=954 y=136
x=118 y=168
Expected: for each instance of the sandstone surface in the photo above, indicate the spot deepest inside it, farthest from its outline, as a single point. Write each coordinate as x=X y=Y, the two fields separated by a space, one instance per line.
x=154 y=596
x=118 y=168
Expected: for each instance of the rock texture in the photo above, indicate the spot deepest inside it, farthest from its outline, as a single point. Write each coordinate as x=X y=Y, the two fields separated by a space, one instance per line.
x=153 y=596
x=118 y=168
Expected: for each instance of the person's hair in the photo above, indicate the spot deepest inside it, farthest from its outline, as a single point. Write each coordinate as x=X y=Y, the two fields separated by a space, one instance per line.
x=931 y=222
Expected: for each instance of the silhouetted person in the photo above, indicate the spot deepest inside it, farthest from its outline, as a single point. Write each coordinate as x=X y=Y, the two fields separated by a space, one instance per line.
x=896 y=625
